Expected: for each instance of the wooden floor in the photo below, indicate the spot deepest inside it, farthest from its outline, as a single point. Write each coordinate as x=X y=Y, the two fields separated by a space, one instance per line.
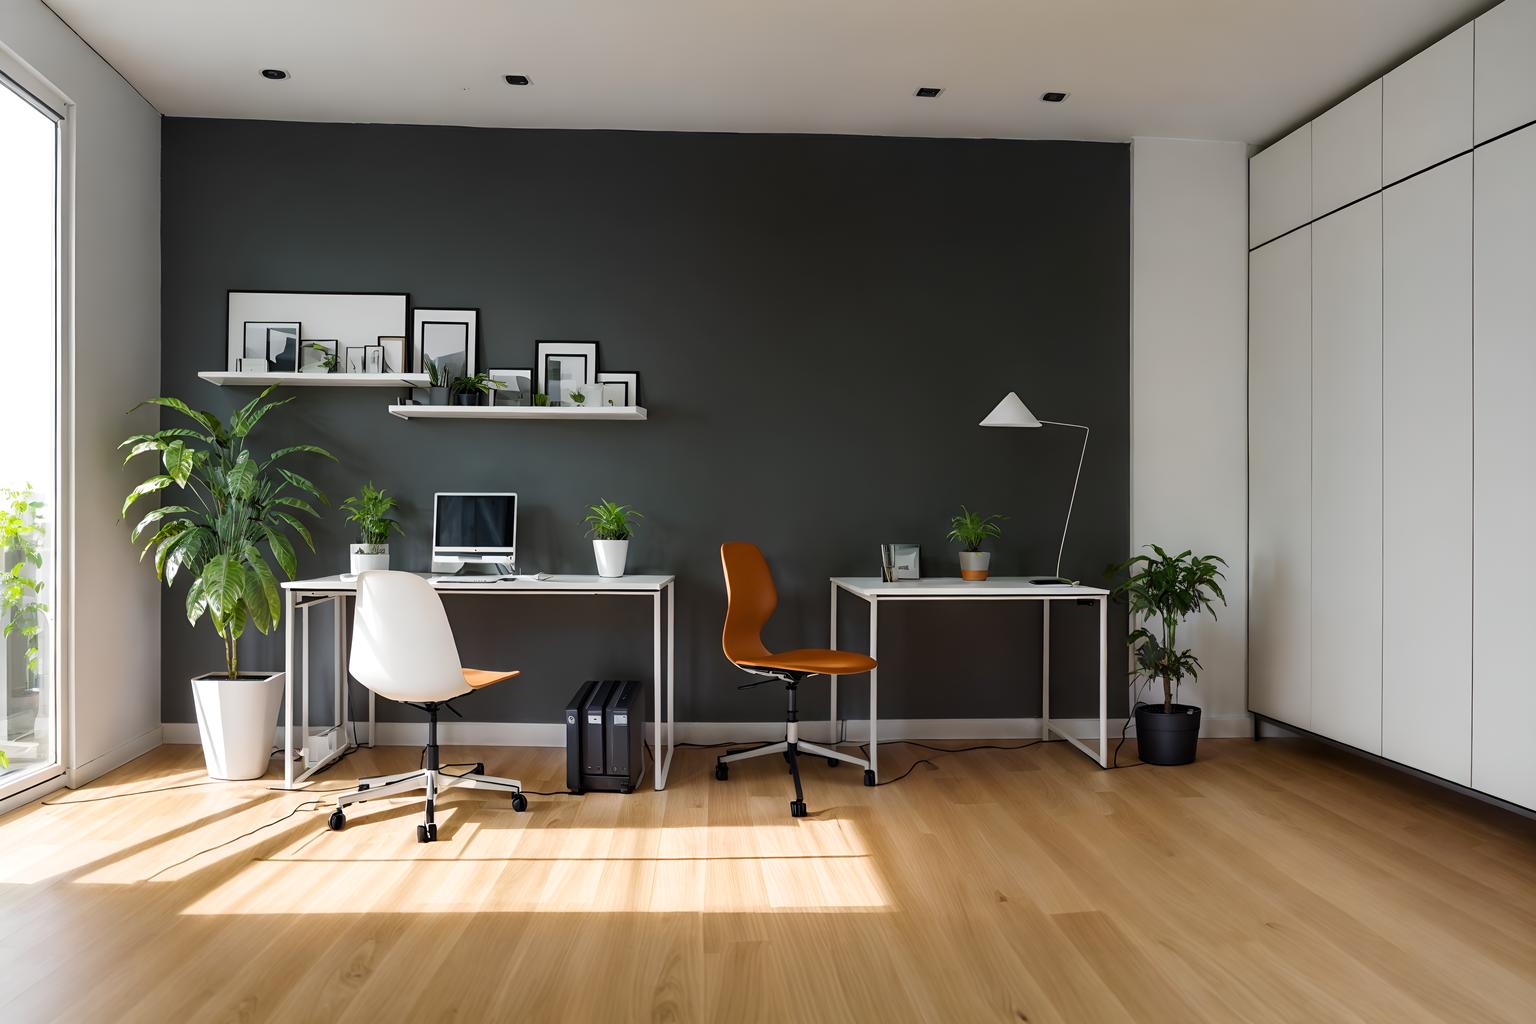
x=1277 y=881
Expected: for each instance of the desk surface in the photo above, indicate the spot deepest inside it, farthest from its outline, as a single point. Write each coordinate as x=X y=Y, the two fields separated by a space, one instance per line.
x=953 y=586
x=554 y=584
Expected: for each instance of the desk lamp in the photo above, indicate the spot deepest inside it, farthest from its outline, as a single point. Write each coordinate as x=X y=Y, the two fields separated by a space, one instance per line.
x=1012 y=412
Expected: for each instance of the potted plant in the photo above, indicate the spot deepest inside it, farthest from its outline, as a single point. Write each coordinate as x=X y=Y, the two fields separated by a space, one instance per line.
x=610 y=528
x=1163 y=590
x=22 y=611
x=578 y=395
x=971 y=531
x=540 y=398
x=370 y=509
x=240 y=508
x=472 y=390
x=327 y=362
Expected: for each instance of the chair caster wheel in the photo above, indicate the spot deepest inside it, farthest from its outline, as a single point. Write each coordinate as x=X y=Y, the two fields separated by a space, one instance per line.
x=797 y=808
x=426 y=833
x=519 y=802
x=722 y=771
x=361 y=786
x=833 y=762
x=478 y=769
x=337 y=821
x=869 y=777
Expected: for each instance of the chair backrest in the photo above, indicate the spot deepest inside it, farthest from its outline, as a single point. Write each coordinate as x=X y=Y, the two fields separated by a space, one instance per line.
x=402 y=645
x=750 y=600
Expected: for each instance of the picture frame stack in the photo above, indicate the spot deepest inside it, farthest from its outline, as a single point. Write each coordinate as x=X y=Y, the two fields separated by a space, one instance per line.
x=314 y=332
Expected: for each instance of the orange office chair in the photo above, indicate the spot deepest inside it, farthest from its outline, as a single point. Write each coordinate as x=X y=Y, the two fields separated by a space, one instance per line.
x=750 y=601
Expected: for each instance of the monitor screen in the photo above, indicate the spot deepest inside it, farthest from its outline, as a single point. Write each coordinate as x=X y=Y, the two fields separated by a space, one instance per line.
x=464 y=525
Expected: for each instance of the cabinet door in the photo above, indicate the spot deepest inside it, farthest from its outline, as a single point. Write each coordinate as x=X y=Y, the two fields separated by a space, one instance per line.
x=1280 y=187
x=1346 y=475
x=1346 y=151
x=1279 y=479
x=1426 y=715
x=1505 y=68
x=1427 y=107
x=1504 y=490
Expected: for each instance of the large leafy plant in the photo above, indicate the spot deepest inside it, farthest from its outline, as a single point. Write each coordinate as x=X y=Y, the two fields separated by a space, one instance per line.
x=971 y=530
x=609 y=521
x=370 y=509
x=239 y=509
x=21 y=587
x=1162 y=591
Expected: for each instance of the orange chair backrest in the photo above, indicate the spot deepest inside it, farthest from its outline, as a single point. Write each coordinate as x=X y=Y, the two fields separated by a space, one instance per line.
x=750 y=600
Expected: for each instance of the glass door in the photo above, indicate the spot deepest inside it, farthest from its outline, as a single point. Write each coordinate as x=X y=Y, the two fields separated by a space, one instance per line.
x=29 y=507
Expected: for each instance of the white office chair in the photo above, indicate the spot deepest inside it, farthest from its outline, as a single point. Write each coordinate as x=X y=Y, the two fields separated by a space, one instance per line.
x=403 y=649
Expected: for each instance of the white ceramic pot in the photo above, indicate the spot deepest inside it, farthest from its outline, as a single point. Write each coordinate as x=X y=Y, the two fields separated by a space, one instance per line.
x=611 y=556
x=974 y=565
x=236 y=719
x=368 y=557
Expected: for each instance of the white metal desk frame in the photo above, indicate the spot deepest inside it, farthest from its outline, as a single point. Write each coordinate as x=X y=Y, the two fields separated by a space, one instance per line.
x=998 y=588
x=303 y=595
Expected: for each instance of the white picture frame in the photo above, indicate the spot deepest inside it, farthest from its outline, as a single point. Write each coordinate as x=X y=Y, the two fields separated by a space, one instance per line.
x=352 y=318
x=628 y=380
x=573 y=363
x=449 y=337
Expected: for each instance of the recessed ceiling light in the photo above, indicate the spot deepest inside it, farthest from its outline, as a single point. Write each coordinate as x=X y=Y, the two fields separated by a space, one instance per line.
x=517 y=79
x=928 y=92
x=1054 y=97
x=274 y=74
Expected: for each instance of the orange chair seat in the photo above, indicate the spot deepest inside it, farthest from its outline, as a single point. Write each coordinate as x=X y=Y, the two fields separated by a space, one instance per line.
x=813 y=661
x=480 y=678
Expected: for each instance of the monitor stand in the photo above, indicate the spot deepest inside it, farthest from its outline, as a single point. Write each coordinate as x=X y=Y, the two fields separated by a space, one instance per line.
x=478 y=572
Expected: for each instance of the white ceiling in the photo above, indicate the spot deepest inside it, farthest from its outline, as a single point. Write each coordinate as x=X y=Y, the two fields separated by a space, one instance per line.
x=1216 y=69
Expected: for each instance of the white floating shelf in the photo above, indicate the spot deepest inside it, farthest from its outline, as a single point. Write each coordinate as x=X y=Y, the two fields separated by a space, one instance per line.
x=516 y=412
x=315 y=380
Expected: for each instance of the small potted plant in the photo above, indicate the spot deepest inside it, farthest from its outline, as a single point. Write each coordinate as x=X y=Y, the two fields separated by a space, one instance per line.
x=578 y=396
x=971 y=531
x=540 y=399
x=327 y=362
x=609 y=526
x=1163 y=590
x=437 y=388
x=370 y=509
x=473 y=390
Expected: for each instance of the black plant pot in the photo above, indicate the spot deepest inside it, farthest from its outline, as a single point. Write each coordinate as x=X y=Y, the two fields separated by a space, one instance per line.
x=1167 y=737
x=466 y=398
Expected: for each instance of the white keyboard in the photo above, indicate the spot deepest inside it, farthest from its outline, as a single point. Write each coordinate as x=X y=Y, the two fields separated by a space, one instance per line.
x=470 y=579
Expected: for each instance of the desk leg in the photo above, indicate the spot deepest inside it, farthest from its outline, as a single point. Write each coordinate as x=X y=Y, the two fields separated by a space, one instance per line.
x=832 y=680
x=874 y=688
x=671 y=679
x=1103 y=682
x=1045 y=670
x=664 y=736
x=304 y=681
x=288 y=688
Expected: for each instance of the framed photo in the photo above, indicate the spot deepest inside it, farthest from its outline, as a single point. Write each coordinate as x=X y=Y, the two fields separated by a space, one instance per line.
x=373 y=358
x=312 y=360
x=254 y=339
x=899 y=561
x=623 y=385
x=283 y=348
x=394 y=352
x=354 y=360
x=518 y=389
x=564 y=365
x=447 y=338
x=352 y=318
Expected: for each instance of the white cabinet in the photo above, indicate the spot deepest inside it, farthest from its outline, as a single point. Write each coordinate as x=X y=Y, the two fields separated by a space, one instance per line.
x=1346 y=475
x=1426 y=715
x=1505 y=68
x=1346 y=151
x=1427 y=107
x=1504 y=494
x=1279 y=497
x=1280 y=187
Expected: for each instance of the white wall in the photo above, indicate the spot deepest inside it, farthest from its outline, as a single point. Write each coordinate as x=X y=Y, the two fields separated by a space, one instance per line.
x=114 y=614
x=1189 y=386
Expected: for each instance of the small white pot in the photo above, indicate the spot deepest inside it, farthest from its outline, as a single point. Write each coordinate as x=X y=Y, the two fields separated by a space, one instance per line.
x=236 y=719
x=974 y=565
x=611 y=556
x=368 y=557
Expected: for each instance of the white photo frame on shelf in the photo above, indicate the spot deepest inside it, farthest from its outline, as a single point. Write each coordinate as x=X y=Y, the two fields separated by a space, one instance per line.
x=351 y=318
x=447 y=337
x=563 y=365
x=517 y=387
x=621 y=384
x=394 y=352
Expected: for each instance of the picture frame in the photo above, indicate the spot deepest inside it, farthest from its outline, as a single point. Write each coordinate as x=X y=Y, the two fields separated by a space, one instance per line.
x=353 y=363
x=254 y=343
x=312 y=360
x=373 y=358
x=573 y=363
x=900 y=562
x=352 y=318
x=518 y=389
x=394 y=352
x=628 y=380
x=448 y=337
x=283 y=348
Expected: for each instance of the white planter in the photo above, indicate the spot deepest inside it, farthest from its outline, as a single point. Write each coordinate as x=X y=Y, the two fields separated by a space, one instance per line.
x=368 y=557
x=611 y=556
x=974 y=565
x=236 y=719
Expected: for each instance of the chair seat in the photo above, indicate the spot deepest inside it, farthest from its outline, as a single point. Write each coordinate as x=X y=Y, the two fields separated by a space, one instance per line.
x=480 y=678
x=814 y=661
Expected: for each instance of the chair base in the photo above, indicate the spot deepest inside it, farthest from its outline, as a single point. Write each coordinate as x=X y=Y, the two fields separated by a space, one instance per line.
x=791 y=748
x=435 y=782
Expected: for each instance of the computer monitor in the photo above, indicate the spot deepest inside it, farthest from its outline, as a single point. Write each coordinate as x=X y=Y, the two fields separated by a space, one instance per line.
x=470 y=527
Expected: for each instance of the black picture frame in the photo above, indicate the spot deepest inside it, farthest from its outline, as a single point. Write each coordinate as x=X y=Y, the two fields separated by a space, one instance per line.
x=462 y=346
x=370 y=350
x=262 y=350
x=423 y=318
x=629 y=378
x=347 y=366
x=284 y=361
x=545 y=350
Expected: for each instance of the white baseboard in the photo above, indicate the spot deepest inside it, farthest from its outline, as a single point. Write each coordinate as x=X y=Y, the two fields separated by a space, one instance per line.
x=552 y=734
x=119 y=755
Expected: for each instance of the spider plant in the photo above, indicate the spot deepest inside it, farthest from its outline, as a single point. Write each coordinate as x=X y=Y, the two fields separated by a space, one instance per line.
x=971 y=531
x=609 y=521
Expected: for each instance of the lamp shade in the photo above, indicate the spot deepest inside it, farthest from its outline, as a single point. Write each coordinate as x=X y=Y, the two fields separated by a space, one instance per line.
x=1010 y=412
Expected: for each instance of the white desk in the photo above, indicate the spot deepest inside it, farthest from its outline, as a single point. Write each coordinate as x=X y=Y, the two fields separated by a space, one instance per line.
x=998 y=588
x=302 y=595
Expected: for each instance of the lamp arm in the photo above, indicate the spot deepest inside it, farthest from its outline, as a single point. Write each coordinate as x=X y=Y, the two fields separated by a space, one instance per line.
x=1075 y=480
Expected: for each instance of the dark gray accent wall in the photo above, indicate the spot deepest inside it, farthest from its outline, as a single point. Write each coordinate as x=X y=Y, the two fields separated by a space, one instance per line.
x=819 y=323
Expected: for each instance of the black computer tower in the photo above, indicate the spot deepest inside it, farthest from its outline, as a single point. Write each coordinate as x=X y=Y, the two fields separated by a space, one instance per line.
x=605 y=737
